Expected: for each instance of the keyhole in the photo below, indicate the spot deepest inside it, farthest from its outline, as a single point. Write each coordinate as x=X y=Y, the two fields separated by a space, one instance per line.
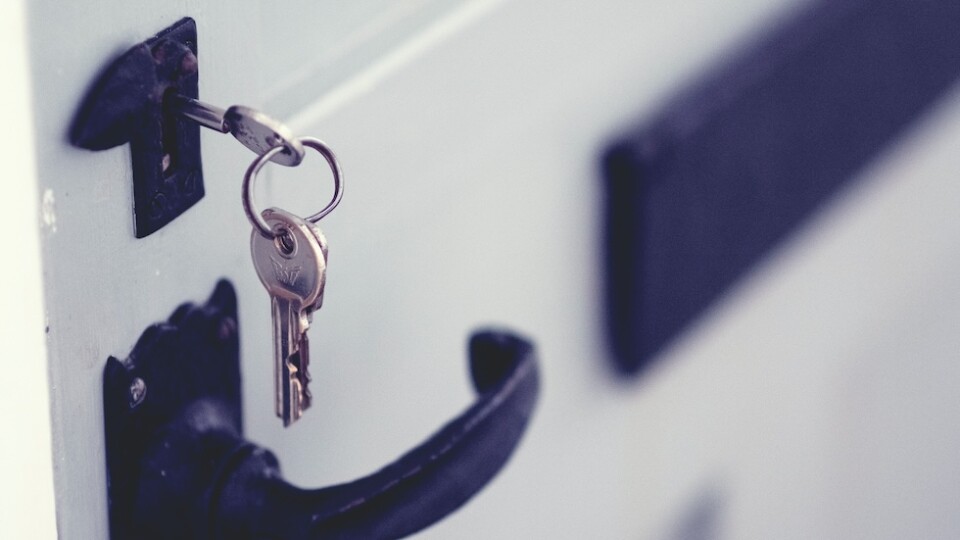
x=169 y=128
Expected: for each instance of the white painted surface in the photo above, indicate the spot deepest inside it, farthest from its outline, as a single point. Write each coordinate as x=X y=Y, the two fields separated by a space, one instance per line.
x=814 y=402
x=26 y=499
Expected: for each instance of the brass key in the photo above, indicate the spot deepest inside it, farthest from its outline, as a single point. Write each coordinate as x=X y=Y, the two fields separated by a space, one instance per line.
x=290 y=256
x=292 y=267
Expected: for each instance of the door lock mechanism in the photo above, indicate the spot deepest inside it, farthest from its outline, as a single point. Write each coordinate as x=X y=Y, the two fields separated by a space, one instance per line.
x=148 y=97
x=126 y=105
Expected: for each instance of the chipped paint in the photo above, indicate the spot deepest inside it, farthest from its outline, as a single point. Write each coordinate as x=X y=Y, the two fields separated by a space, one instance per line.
x=48 y=211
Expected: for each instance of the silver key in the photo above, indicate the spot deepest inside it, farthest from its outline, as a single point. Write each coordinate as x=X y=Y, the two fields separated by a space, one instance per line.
x=252 y=128
x=292 y=267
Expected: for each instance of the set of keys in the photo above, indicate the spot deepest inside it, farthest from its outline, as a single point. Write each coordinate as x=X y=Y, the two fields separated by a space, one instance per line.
x=290 y=257
x=293 y=268
x=289 y=252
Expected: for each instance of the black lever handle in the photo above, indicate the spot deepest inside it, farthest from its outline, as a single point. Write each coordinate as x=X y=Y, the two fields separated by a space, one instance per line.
x=180 y=468
x=415 y=491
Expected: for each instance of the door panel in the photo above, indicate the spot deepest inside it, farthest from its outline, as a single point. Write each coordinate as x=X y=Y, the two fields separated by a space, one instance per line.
x=469 y=133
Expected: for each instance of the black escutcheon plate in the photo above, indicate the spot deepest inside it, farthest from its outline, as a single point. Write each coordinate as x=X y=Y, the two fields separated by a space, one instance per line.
x=126 y=105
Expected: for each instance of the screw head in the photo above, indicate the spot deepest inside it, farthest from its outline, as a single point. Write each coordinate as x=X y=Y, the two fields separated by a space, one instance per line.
x=138 y=392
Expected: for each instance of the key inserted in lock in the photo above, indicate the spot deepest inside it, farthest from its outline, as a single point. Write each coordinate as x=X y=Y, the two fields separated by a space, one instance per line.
x=148 y=97
x=252 y=128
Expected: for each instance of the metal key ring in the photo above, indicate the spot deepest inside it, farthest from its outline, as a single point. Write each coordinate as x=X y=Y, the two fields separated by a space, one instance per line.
x=253 y=214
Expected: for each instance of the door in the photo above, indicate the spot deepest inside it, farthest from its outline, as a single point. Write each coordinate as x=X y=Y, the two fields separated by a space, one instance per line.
x=470 y=132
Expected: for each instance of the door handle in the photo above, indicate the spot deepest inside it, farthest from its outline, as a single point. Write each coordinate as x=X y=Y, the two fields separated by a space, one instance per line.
x=179 y=467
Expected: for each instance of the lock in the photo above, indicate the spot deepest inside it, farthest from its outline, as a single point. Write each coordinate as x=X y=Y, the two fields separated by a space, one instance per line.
x=148 y=97
x=126 y=105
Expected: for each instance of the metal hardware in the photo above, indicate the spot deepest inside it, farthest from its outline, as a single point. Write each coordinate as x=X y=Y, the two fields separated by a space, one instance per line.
x=148 y=97
x=290 y=257
x=293 y=269
x=253 y=214
x=126 y=105
x=138 y=391
x=179 y=467
x=252 y=128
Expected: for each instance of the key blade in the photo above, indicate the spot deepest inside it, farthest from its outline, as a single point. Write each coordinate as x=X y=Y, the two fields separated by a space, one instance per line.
x=290 y=368
x=295 y=398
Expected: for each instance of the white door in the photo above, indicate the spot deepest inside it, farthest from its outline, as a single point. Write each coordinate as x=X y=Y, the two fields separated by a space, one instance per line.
x=469 y=133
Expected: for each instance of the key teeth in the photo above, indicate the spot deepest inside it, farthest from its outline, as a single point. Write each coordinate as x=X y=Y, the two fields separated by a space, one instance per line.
x=295 y=403
x=299 y=396
x=305 y=396
x=303 y=372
